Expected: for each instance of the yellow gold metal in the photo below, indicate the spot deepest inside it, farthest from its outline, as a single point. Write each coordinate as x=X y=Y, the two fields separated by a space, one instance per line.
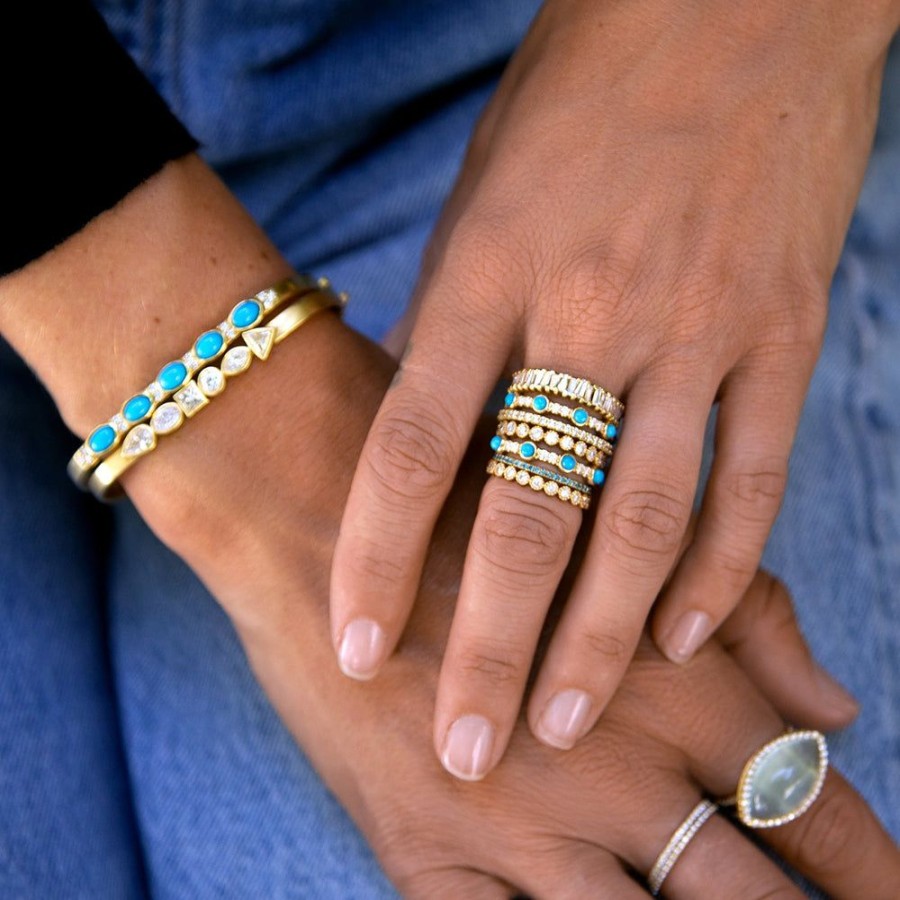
x=103 y=481
x=548 y=424
x=84 y=460
x=552 y=487
x=571 y=387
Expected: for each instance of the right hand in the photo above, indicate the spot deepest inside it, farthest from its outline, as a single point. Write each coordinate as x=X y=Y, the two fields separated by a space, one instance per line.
x=548 y=825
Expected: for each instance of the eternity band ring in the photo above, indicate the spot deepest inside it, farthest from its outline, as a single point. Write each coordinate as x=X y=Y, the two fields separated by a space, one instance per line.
x=677 y=844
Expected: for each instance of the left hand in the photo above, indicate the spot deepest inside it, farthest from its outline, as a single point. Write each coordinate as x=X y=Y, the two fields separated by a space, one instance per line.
x=656 y=200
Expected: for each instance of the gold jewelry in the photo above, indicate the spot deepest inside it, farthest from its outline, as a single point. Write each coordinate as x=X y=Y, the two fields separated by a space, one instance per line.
x=683 y=835
x=552 y=433
x=243 y=319
x=580 y=416
x=189 y=400
x=539 y=479
x=782 y=780
x=580 y=389
x=565 y=462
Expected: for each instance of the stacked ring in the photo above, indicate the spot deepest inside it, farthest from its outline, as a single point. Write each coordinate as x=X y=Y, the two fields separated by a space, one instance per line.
x=574 y=440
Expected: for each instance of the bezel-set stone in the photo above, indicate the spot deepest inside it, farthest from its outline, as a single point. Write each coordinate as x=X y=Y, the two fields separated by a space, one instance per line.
x=211 y=381
x=260 y=341
x=140 y=440
x=522 y=430
x=191 y=399
x=236 y=360
x=794 y=764
x=102 y=438
x=268 y=298
x=510 y=473
x=167 y=418
x=565 y=492
x=246 y=314
x=172 y=375
x=522 y=477
x=536 y=483
x=191 y=362
x=551 y=488
x=209 y=344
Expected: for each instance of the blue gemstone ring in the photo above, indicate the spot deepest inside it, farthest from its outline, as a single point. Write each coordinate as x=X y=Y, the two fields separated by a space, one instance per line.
x=574 y=438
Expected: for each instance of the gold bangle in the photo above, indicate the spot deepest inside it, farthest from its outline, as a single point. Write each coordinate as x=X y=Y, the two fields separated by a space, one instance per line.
x=168 y=417
x=245 y=316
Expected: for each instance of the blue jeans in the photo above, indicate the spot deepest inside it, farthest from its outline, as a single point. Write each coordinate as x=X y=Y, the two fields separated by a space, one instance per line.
x=137 y=754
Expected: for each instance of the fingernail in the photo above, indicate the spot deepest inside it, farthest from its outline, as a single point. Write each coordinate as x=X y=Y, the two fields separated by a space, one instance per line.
x=468 y=747
x=835 y=694
x=362 y=648
x=564 y=718
x=684 y=640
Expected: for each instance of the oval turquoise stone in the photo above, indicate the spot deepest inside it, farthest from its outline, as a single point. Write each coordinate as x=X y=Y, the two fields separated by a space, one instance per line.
x=209 y=344
x=540 y=403
x=567 y=462
x=137 y=407
x=102 y=438
x=495 y=442
x=580 y=416
x=172 y=376
x=510 y=399
x=527 y=450
x=245 y=314
x=599 y=476
x=611 y=432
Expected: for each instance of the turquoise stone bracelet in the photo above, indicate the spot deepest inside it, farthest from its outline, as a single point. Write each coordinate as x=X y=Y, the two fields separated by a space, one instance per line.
x=242 y=320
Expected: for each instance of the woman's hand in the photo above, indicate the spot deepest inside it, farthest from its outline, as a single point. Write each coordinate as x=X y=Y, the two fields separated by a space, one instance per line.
x=258 y=527
x=656 y=200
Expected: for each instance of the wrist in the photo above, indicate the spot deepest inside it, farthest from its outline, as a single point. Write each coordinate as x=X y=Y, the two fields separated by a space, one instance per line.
x=98 y=316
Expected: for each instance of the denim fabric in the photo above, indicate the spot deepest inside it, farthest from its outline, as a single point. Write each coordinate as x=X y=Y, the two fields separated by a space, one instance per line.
x=133 y=738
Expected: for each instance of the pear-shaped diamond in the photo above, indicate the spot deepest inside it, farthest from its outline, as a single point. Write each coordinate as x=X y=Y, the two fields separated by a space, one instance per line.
x=260 y=341
x=140 y=440
x=236 y=360
x=167 y=418
x=782 y=780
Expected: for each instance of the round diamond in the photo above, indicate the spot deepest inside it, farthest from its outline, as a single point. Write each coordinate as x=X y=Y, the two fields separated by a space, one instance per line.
x=510 y=473
x=566 y=442
x=536 y=433
x=510 y=428
x=499 y=468
x=522 y=430
x=551 y=488
x=551 y=438
x=211 y=381
x=591 y=454
x=522 y=477
x=536 y=482
x=580 y=448
x=565 y=492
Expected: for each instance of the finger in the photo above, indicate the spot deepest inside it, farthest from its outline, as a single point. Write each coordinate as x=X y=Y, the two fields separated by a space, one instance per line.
x=642 y=516
x=406 y=469
x=720 y=862
x=763 y=637
x=755 y=428
x=520 y=544
x=451 y=884
x=579 y=871
x=838 y=843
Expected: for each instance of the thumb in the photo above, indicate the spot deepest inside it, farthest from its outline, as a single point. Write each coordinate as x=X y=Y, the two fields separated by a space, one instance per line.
x=763 y=637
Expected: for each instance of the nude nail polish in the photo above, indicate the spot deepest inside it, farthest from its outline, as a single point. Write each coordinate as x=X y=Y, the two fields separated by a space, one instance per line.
x=468 y=747
x=362 y=649
x=564 y=718
x=685 y=639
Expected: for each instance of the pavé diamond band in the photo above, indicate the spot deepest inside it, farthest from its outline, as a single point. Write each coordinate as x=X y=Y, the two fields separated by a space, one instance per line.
x=677 y=844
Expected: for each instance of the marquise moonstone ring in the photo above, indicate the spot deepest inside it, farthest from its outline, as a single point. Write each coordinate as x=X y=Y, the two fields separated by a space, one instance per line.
x=782 y=780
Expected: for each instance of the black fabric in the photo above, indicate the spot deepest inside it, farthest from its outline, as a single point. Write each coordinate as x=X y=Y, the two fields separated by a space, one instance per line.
x=80 y=125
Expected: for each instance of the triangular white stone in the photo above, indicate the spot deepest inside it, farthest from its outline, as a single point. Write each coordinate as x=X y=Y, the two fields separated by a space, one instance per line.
x=260 y=341
x=140 y=440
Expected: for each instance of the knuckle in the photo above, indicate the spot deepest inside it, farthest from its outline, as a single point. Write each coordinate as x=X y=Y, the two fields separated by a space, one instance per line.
x=830 y=837
x=495 y=666
x=647 y=522
x=518 y=534
x=760 y=489
x=606 y=646
x=412 y=453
